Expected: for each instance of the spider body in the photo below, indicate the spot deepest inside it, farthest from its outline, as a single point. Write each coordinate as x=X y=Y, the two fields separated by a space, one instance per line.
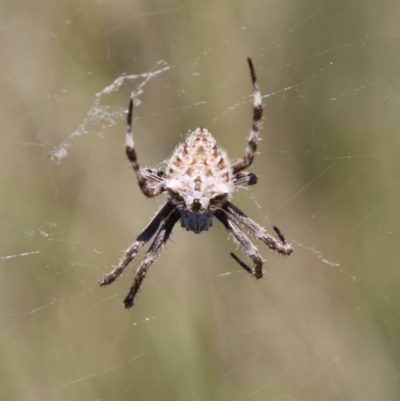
x=198 y=180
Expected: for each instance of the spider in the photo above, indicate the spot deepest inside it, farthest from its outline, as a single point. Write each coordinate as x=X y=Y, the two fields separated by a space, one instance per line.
x=198 y=179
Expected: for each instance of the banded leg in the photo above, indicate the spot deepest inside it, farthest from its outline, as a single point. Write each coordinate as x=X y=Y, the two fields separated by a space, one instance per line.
x=241 y=180
x=141 y=240
x=149 y=180
x=241 y=240
x=154 y=175
x=151 y=255
x=257 y=116
x=260 y=233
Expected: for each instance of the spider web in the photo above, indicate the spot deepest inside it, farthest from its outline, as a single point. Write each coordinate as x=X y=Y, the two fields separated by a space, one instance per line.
x=323 y=324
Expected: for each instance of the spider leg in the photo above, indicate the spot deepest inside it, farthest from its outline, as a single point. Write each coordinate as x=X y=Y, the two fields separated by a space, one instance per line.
x=149 y=180
x=245 y=267
x=154 y=175
x=151 y=255
x=260 y=233
x=241 y=240
x=141 y=240
x=257 y=115
x=241 y=180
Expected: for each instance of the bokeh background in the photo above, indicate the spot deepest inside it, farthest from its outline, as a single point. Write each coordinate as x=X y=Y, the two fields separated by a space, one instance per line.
x=324 y=324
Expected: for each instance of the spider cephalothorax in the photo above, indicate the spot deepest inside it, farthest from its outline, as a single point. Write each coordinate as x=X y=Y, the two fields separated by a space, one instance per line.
x=198 y=179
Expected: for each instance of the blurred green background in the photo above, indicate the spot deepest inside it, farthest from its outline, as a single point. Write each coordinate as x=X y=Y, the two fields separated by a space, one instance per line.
x=323 y=324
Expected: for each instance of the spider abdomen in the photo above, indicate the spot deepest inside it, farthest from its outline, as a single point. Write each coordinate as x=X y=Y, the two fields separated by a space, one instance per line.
x=198 y=171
